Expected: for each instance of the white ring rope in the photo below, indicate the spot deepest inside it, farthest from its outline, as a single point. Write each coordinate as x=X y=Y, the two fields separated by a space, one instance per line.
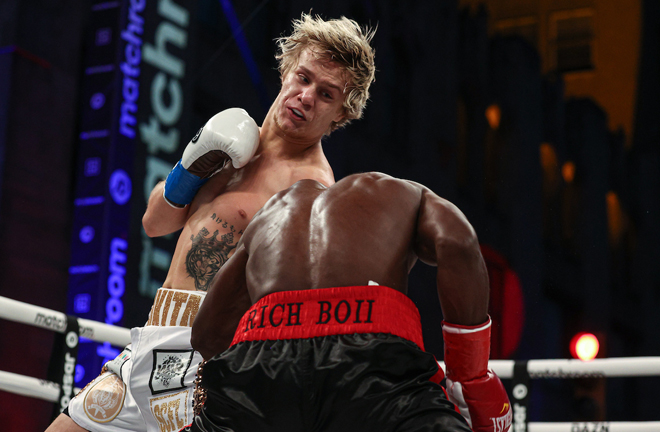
x=612 y=367
x=604 y=426
x=597 y=368
x=37 y=316
x=32 y=387
x=52 y=320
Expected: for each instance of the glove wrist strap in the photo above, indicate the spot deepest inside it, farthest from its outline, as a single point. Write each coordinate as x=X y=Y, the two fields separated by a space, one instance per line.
x=467 y=349
x=181 y=186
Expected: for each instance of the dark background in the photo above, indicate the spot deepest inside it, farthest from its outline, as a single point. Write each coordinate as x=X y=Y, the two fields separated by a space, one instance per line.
x=438 y=69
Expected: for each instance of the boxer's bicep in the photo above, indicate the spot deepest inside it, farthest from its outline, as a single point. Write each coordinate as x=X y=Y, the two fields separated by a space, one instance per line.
x=440 y=225
x=446 y=239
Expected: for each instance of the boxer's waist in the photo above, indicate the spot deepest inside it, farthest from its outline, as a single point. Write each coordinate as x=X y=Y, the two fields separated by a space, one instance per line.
x=174 y=307
x=331 y=311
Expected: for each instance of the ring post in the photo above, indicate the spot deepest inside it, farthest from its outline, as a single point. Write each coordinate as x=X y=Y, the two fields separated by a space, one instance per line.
x=62 y=367
x=520 y=396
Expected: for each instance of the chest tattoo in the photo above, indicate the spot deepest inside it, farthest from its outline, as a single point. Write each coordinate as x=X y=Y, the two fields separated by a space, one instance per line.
x=207 y=254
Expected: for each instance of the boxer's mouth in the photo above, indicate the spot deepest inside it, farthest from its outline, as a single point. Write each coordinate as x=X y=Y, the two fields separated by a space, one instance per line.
x=298 y=114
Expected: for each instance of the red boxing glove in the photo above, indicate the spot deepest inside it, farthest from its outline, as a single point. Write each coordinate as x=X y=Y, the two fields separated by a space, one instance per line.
x=471 y=386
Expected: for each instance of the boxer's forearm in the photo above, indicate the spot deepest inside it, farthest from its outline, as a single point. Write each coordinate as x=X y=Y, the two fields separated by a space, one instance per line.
x=160 y=218
x=225 y=303
x=446 y=238
x=229 y=135
x=462 y=281
x=208 y=344
x=215 y=325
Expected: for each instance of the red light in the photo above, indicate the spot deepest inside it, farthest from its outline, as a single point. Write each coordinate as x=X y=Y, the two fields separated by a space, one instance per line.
x=584 y=346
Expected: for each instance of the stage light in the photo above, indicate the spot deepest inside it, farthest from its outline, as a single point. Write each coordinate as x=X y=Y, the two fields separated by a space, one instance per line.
x=568 y=171
x=589 y=402
x=584 y=346
x=493 y=116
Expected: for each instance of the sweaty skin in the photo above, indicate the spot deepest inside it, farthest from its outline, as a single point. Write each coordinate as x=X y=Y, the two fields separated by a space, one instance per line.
x=289 y=150
x=366 y=227
x=221 y=211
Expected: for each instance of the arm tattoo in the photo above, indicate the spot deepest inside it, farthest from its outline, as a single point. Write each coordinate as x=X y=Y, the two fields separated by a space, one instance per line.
x=207 y=254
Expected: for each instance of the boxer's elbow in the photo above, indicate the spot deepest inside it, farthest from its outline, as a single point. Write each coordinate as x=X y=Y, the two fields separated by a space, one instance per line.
x=151 y=224
x=160 y=225
x=149 y=228
x=160 y=218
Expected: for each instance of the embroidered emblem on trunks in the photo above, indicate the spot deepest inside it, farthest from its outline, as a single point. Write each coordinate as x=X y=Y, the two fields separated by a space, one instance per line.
x=105 y=399
x=169 y=370
x=171 y=411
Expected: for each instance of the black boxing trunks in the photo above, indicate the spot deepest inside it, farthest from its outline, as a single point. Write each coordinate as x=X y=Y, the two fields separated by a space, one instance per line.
x=332 y=359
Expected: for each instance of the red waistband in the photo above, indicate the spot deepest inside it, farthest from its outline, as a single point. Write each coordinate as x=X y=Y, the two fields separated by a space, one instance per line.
x=331 y=311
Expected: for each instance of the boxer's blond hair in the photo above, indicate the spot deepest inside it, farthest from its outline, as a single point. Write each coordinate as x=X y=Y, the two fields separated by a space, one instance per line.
x=342 y=41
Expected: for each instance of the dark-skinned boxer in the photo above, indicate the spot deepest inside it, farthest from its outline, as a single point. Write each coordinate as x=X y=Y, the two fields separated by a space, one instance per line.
x=317 y=332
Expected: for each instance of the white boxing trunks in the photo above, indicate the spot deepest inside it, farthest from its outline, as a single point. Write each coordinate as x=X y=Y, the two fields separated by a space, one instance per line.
x=149 y=386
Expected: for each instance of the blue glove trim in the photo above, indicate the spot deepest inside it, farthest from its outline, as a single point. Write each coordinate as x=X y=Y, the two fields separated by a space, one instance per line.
x=181 y=186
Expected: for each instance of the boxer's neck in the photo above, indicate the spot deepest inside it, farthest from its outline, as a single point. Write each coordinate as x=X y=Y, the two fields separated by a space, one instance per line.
x=274 y=141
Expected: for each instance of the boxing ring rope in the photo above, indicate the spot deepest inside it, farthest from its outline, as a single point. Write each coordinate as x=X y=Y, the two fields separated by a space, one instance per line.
x=37 y=316
x=52 y=320
x=561 y=368
x=31 y=387
x=603 y=426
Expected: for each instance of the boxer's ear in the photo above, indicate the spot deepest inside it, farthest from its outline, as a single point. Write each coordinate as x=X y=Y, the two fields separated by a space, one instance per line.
x=341 y=116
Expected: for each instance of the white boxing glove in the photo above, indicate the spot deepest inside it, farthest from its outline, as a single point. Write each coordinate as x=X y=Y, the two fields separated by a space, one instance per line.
x=230 y=134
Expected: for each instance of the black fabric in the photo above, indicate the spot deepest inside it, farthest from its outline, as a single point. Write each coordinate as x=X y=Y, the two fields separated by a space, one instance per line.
x=62 y=365
x=359 y=382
